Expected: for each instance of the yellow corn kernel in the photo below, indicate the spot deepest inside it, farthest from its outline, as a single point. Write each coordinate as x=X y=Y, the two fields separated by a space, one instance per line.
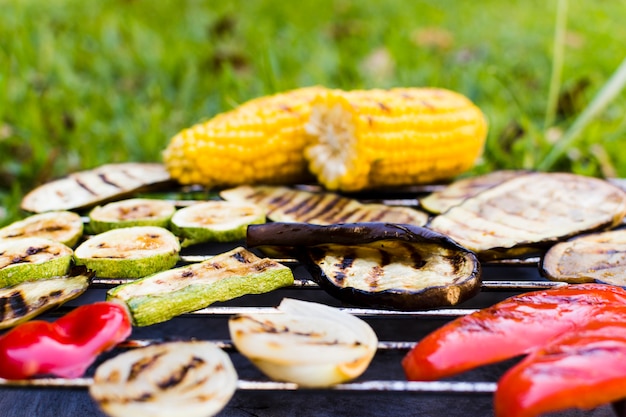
x=261 y=141
x=375 y=138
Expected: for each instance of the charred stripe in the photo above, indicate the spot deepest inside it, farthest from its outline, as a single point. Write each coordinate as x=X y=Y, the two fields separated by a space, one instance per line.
x=106 y=180
x=179 y=374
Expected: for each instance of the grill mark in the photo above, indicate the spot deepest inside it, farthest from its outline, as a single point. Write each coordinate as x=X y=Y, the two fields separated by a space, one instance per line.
x=417 y=260
x=380 y=214
x=276 y=203
x=17 y=304
x=347 y=215
x=240 y=257
x=84 y=187
x=318 y=205
x=3 y=304
x=332 y=210
x=342 y=267
x=374 y=276
x=142 y=365
x=106 y=180
x=179 y=374
x=305 y=206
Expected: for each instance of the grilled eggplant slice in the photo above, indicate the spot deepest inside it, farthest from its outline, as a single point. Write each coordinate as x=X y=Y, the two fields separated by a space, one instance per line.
x=31 y=259
x=87 y=188
x=384 y=265
x=310 y=344
x=459 y=191
x=61 y=226
x=191 y=379
x=284 y=204
x=129 y=213
x=232 y=274
x=594 y=257
x=28 y=299
x=215 y=221
x=525 y=215
x=130 y=252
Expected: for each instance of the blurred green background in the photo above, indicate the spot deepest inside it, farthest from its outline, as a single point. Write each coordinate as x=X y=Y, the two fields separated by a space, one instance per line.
x=83 y=83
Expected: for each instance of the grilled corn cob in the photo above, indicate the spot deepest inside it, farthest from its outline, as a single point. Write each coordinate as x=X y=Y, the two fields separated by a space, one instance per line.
x=261 y=141
x=375 y=138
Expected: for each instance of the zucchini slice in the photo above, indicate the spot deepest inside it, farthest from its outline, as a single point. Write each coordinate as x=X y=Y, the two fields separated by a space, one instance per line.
x=130 y=252
x=65 y=227
x=384 y=265
x=28 y=299
x=129 y=213
x=190 y=378
x=229 y=275
x=31 y=259
x=310 y=344
x=595 y=257
x=215 y=221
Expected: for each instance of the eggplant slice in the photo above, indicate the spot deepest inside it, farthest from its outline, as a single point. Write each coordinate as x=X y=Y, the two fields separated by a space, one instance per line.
x=590 y=258
x=87 y=188
x=523 y=216
x=284 y=204
x=379 y=265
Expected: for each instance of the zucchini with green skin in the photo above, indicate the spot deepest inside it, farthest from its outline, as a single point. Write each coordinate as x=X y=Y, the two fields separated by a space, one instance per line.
x=229 y=275
x=129 y=213
x=21 y=302
x=61 y=226
x=215 y=221
x=32 y=258
x=130 y=252
x=395 y=266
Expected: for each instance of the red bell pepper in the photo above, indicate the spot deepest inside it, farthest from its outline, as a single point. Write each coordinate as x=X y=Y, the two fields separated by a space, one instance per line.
x=65 y=347
x=584 y=369
x=510 y=328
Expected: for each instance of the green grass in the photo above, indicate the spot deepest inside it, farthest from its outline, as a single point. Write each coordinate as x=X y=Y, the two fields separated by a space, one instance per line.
x=87 y=83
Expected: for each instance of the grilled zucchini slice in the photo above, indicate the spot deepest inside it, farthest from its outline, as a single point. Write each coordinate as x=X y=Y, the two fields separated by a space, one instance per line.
x=229 y=275
x=65 y=227
x=215 y=221
x=129 y=213
x=31 y=259
x=130 y=252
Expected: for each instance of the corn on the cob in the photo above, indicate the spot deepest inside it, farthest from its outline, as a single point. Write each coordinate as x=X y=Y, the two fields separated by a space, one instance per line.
x=261 y=141
x=376 y=138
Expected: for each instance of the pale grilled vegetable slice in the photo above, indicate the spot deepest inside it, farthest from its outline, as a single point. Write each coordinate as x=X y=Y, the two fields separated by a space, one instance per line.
x=129 y=213
x=215 y=221
x=61 y=226
x=307 y=343
x=461 y=190
x=130 y=252
x=378 y=264
x=285 y=204
x=191 y=379
x=594 y=257
x=23 y=301
x=525 y=215
x=88 y=188
x=32 y=258
x=229 y=275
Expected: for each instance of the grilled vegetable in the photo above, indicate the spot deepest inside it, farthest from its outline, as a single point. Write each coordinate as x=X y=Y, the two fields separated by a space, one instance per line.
x=32 y=258
x=310 y=344
x=131 y=212
x=130 y=252
x=379 y=265
x=509 y=328
x=261 y=141
x=191 y=379
x=460 y=190
x=594 y=257
x=26 y=300
x=526 y=214
x=285 y=204
x=226 y=276
x=66 y=347
x=377 y=138
x=584 y=369
x=61 y=226
x=88 y=188
x=215 y=221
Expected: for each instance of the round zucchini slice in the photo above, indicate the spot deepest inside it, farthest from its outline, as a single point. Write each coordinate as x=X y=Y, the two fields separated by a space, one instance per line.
x=31 y=259
x=129 y=213
x=215 y=221
x=131 y=252
x=65 y=227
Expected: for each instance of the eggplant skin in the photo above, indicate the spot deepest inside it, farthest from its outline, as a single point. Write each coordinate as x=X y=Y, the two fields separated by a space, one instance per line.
x=397 y=266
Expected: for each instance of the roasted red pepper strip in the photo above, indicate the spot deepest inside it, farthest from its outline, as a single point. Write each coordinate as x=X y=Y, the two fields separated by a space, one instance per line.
x=577 y=370
x=510 y=328
x=66 y=347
